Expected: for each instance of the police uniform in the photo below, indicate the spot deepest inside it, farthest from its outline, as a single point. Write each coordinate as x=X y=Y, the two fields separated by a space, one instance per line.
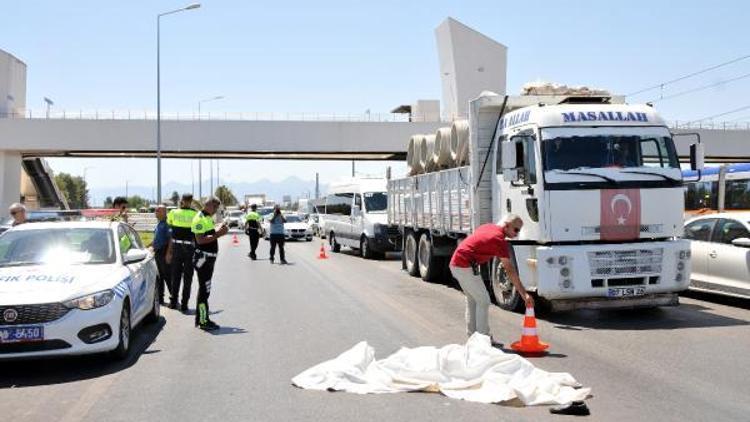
x=252 y=228
x=183 y=247
x=204 y=260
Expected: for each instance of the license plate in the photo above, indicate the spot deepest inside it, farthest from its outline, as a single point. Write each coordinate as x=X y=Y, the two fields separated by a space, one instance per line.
x=21 y=334
x=626 y=291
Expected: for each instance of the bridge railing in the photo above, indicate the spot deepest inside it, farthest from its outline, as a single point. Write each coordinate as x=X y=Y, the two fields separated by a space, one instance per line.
x=224 y=116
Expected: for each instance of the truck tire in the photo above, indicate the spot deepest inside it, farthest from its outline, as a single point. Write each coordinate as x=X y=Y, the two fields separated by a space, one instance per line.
x=430 y=266
x=506 y=296
x=335 y=247
x=411 y=246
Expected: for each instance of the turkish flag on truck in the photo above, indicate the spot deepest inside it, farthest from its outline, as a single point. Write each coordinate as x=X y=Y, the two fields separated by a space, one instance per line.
x=620 y=217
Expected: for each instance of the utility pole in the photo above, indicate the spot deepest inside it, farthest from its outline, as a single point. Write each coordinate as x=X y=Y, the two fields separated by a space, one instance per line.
x=211 y=177
x=317 y=185
x=353 y=169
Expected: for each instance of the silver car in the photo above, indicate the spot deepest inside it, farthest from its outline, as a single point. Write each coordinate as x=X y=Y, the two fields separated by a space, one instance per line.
x=720 y=253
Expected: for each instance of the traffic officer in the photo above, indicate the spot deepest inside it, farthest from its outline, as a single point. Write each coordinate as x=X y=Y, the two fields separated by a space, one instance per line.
x=206 y=250
x=121 y=205
x=252 y=229
x=180 y=220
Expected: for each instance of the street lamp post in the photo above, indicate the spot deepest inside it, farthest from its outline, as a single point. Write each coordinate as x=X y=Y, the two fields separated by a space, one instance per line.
x=158 y=92
x=200 y=162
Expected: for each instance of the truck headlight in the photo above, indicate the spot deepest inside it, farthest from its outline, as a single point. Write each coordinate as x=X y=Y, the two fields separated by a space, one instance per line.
x=92 y=301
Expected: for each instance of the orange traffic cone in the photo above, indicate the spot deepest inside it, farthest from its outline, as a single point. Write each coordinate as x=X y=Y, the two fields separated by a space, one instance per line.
x=235 y=240
x=529 y=343
x=322 y=254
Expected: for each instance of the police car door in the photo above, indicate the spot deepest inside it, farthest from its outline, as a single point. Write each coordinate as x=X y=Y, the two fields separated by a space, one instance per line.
x=137 y=280
x=357 y=219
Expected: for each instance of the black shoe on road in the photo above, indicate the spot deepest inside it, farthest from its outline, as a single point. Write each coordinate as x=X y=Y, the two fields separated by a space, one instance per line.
x=172 y=305
x=283 y=262
x=183 y=308
x=577 y=408
x=271 y=260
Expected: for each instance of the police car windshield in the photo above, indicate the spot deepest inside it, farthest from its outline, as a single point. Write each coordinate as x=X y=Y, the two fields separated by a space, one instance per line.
x=608 y=151
x=292 y=218
x=62 y=246
x=376 y=201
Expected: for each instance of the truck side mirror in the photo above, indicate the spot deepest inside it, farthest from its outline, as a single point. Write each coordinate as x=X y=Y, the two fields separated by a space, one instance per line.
x=697 y=157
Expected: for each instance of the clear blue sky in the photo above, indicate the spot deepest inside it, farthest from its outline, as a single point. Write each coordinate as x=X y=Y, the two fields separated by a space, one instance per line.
x=350 y=56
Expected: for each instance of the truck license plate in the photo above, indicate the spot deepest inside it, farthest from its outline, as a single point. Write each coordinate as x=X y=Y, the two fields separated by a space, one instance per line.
x=626 y=291
x=21 y=334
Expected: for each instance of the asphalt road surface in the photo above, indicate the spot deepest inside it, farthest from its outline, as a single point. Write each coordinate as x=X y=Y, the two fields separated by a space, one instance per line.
x=691 y=362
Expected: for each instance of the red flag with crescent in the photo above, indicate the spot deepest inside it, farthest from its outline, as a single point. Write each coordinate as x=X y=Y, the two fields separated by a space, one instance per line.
x=620 y=214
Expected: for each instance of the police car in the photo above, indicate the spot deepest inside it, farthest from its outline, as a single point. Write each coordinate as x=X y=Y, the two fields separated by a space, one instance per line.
x=69 y=288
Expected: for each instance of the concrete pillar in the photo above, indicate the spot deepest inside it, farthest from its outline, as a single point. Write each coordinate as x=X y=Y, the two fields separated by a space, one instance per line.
x=10 y=180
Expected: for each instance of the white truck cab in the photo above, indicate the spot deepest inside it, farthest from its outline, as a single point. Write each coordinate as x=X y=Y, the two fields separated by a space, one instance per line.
x=356 y=216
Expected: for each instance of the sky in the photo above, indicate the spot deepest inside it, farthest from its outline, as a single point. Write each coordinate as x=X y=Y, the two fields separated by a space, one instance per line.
x=351 y=56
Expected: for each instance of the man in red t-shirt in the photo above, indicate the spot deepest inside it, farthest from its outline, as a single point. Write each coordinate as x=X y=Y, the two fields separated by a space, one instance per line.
x=487 y=242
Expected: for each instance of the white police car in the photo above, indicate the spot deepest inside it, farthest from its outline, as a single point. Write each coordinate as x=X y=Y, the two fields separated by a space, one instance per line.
x=70 y=288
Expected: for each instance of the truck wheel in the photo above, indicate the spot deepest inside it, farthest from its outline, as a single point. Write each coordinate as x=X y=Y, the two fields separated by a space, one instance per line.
x=410 y=254
x=335 y=247
x=506 y=296
x=430 y=266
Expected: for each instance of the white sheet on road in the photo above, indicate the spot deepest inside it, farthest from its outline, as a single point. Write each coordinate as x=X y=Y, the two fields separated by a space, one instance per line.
x=475 y=372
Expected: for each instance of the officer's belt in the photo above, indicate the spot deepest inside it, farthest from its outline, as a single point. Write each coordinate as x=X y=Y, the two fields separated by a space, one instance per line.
x=208 y=254
x=183 y=242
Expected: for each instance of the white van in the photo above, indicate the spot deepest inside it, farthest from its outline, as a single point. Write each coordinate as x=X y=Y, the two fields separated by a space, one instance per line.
x=356 y=216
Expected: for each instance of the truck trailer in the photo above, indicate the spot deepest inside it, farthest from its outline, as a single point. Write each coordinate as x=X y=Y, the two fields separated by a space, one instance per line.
x=597 y=183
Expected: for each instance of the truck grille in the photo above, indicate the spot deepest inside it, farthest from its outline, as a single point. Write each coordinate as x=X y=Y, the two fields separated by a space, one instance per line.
x=638 y=262
x=33 y=314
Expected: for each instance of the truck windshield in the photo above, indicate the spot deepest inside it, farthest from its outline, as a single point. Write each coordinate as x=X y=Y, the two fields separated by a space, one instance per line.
x=375 y=201
x=582 y=151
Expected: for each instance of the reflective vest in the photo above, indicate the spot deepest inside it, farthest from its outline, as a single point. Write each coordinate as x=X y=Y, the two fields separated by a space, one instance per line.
x=253 y=219
x=181 y=222
x=204 y=224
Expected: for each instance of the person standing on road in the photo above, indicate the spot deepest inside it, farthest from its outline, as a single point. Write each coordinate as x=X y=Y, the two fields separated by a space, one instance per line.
x=252 y=229
x=162 y=246
x=18 y=211
x=180 y=220
x=277 y=234
x=121 y=205
x=487 y=242
x=206 y=250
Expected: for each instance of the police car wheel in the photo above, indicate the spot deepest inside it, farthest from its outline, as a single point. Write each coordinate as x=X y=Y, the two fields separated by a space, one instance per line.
x=364 y=249
x=336 y=247
x=153 y=316
x=123 y=347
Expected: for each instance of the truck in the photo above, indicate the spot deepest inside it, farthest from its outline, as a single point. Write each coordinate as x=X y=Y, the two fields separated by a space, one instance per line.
x=597 y=183
x=258 y=199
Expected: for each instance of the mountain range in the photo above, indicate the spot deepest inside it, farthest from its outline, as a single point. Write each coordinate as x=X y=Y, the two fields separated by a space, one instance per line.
x=292 y=186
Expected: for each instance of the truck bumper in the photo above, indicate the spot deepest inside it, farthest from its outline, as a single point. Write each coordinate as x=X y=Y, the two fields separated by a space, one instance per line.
x=663 y=299
x=603 y=275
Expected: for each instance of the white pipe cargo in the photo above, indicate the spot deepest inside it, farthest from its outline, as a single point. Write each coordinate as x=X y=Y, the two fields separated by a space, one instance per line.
x=412 y=155
x=442 y=158
x=460 y=142
x=426 y=152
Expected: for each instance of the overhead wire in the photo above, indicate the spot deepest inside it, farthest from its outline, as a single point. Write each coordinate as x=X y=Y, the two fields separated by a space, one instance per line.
x=701 y=88
x=690 y=75
x=720 y=114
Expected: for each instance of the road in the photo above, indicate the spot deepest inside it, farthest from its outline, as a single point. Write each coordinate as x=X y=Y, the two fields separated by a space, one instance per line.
x=683 y=363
